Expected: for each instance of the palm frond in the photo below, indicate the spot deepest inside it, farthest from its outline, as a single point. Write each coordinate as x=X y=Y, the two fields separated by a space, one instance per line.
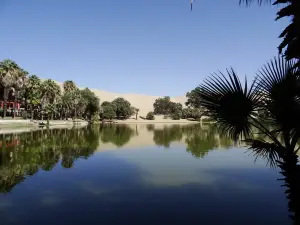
x=268 y=151
x=249 y=2
x=279 y=85
x=230 y=104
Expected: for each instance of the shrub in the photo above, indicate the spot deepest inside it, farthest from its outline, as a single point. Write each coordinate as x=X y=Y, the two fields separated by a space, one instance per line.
x=176 y=116
x=150 y=116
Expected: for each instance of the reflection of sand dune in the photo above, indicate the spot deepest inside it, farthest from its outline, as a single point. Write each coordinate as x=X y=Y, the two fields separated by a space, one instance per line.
x=142 y=137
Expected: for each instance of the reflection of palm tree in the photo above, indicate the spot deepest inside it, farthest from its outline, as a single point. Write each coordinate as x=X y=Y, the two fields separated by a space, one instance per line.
x=42 y=150
x=150 y=127
x=201 y=141
x=163 y=137
x=118 y=135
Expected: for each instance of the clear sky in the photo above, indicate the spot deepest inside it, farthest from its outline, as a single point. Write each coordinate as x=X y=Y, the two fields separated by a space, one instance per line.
x=153 y=47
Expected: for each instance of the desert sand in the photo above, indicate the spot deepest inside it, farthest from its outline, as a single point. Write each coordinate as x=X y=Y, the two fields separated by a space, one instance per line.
x=143 y=102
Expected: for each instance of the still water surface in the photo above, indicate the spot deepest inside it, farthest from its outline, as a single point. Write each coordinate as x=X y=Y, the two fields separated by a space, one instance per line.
x=140 y=174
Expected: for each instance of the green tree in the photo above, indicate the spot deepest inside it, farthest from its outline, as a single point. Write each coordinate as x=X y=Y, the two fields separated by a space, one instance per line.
x=175 y=108
x=123 y=108
x=162 y=105
x=32 y=93
x=135 y=111
x=150 y=116
x=91 y=101
x=8 y=71
x=51 y=93
x=193 y=99
x=108 y=112
x=20 y=77
x=176 y=115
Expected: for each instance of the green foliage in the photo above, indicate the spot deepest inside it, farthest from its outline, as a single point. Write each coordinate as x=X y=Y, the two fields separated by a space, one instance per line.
x=163 y=137
x=150 y=116
x=164 y=106
x=191 y=113
x=176 y=115
x=118 y=135
x=95 y=118
x=108 y=112
x=193 y=98
x=50 y=91
x=90 y=101
x=123 y=108
x=33 y=90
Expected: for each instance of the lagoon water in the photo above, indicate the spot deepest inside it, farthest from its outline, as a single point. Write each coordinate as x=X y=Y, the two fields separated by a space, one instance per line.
x=137 y=174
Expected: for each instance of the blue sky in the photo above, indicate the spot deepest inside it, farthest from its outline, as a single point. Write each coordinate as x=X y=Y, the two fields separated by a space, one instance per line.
x=153 y=47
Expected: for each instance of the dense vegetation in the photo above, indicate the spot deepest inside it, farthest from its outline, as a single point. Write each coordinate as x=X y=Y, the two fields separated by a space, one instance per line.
x=46 y=99
x=193 y=110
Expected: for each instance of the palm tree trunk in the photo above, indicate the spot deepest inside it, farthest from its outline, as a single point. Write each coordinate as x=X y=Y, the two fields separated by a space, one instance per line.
x=15 y=103
x=5 y=96
x=32 y=112
x=291 y=173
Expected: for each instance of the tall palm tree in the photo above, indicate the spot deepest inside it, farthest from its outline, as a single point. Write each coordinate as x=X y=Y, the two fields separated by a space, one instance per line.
x=8 y=69
x=65 y=104
x=276 y=91
x=69 y=86
x=33 y=93
x=50 y=93
x=19 y=82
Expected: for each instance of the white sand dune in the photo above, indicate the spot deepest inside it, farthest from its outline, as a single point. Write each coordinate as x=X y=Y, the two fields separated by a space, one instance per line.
x=142 y=102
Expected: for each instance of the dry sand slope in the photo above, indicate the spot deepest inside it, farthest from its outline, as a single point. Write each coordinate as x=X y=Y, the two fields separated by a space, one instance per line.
x=142 y=102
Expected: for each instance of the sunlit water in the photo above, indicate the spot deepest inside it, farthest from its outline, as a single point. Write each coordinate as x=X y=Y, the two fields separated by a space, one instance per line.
x=135 y=175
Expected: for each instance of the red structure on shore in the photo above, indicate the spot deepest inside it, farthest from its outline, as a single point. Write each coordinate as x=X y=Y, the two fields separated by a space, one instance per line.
x=10 y=105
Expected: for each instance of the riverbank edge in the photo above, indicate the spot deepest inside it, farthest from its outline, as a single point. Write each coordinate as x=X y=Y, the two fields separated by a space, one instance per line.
x=36 y=123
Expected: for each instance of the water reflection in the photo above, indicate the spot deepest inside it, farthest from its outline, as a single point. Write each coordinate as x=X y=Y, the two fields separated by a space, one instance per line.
x=24 y=154
x=42 y=150
x=117 y=135
x=166 y=135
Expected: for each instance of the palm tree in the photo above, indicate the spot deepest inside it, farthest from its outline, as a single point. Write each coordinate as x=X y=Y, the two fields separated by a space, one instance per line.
x=69 y=86
x=8 y=69
x=19 y=82
x=32 y=93
x=65 y=104
x=50 y=93
x=275 y=91
x=136 y=111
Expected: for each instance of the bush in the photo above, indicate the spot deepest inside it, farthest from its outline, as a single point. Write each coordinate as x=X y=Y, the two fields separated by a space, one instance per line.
x=150 y=116
x=176 y=116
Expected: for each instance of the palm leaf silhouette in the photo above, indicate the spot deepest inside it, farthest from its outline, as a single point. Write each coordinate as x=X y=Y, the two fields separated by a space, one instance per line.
x=230 y=104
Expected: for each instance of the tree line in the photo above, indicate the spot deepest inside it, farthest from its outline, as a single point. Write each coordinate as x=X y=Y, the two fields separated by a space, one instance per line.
x=44 y=99
x=174 y=110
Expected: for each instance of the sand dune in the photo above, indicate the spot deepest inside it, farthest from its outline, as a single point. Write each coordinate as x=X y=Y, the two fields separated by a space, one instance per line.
x=142 y=102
